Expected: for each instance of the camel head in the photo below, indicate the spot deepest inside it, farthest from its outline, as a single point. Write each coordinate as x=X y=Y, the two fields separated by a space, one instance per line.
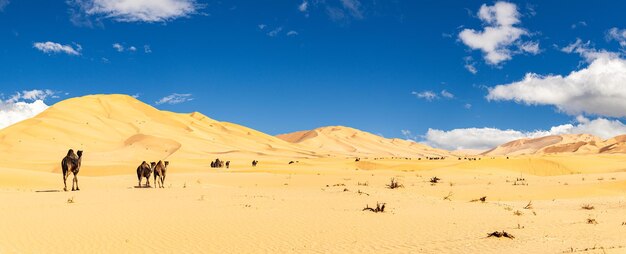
x=167 y=163
x=152 y=164
x=79 y=153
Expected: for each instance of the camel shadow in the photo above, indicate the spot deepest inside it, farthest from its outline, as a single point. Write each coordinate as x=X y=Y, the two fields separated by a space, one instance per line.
x=48 y=191
x=142 y=187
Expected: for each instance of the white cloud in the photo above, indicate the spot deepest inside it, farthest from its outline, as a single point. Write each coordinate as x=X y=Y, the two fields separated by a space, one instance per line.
x=175 y=98
x=23 y=105
x=447 y=94
x=134 y=10
x=292 y=33
x=132 y=48
x=353 y=7
x=499 y=33
x=427 y=95
x=530 y=47
x=487 y=138
x=430 y=95
x=147 y=49
x=275 y=32
x=598 y=89
x=53 y=47
x=467 y=106
x=470 y=65
x=585 y=50
x=262 y=26
x=118 y=47
x=304 y=6
x=618 y=35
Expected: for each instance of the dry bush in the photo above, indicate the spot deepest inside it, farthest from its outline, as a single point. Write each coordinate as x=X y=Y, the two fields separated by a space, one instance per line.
x=380 y=208
x=592 y=221
x=501 y=234
x=435 y=179
x=482 y=199
x=363 y=184
x=518 y=213
x=529 y=205
x=587 y=207
x=394 y=184
x=70 y=200
x=448 y=196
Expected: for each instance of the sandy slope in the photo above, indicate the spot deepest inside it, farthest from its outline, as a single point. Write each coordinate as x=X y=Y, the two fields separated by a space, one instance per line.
x=353 y=142
x=561 y=144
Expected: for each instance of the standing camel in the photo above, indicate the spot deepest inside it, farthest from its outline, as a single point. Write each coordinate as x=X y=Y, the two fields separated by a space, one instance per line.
x=160 y=169
x=144 y=170
x=71 y=164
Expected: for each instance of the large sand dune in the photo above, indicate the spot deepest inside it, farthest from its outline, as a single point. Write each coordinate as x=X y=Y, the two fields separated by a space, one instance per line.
x=561 y=144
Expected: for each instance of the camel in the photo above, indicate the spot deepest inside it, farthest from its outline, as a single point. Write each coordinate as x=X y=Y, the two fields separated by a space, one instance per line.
x=227 y=164
x=144 y=170
x=71 y=164
x=254 y=162
x=160 y=169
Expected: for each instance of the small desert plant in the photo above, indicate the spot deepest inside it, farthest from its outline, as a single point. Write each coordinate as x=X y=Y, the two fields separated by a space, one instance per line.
x=518 y=213
x=394 y=184
x=587 y=207
x=482 y=199
x=380 y=208
x=447 y=197
x=70 y=200
x=529 y=205
x=362 y=193
x=363 y=184
x=500 y=234
x=345 y=190
x=435 y=179
x=592 y=221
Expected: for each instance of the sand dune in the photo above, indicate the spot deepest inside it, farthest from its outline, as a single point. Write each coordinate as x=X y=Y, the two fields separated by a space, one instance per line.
x=559 y=144
x=353 y=142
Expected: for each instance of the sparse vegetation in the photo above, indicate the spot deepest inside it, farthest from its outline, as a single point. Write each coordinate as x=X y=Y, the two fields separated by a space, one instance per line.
x=70 y=200
x=380 y=208
x=435 y=180
x=592 y=221
x=587 y=207
x=447 y=197
x=394 y=184
x=529 y=205
x=499 y=234
x=482 y=199
x=518 y=213
x=363 y=184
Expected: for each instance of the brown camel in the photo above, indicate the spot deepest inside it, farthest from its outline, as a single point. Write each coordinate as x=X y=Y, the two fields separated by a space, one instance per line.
x=227 y=164
x=71 y=164
x=144 y=170
x=159 y=171
x=254 y=163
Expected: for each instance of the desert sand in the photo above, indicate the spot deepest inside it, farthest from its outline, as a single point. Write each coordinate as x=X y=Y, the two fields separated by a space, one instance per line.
x=314 y=205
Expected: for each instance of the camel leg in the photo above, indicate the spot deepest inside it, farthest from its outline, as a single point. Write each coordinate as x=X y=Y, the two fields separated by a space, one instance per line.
x=147 y=181
x=65 y=181
x=76 y=179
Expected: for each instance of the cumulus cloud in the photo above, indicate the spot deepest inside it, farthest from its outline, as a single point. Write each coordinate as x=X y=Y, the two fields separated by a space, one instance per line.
x=618 y=35
x=292 y=33
x=585 y=50
x=175 y=98
x=598 y=89
x=487 y=138
x=133 y=10
x=23 y=105
x=53 y=48
x=470 y=65
x=499 y=34
x=118 y=47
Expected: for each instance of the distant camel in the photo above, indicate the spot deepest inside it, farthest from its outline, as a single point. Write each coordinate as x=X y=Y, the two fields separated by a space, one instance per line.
x=144 y=170
x=217 y=163
x=71 y=164
x=227 y=164
x=254 y=162
x=159 y=171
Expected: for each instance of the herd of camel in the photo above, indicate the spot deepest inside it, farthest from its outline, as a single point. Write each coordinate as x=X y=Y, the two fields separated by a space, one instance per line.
x=72 y=161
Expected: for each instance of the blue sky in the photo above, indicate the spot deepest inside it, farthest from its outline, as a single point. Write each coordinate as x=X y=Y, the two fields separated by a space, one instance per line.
x=422 y=70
